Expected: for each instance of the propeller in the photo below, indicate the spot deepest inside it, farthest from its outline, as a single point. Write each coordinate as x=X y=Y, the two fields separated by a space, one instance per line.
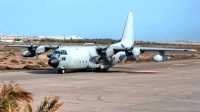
x=128 y=52
x=102 y=52
x=56 y=46
x=34 y=48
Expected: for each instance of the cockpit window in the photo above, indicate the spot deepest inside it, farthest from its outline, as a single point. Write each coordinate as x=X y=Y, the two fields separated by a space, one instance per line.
x=63 y=52
x=57 y=52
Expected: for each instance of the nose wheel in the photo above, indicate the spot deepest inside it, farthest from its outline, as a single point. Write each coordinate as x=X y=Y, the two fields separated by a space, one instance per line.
x=101 y=70
x=61 y=71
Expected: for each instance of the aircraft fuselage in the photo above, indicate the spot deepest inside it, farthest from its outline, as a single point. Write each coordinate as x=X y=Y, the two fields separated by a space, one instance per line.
x=82 y=57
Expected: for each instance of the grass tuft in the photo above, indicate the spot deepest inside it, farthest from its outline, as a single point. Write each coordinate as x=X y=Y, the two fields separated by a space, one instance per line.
x=14 y=99
x=11 y=53
x=49 y=104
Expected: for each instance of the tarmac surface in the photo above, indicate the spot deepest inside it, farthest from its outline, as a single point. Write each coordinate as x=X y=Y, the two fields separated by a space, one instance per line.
x=169 y=86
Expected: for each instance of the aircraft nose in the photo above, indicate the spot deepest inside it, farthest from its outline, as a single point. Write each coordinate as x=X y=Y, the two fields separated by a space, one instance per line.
x=54 y=62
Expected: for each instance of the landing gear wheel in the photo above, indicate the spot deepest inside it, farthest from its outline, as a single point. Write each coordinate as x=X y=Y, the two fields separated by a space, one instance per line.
x=101 y=70
x=62 y=71
x=82 y=70
x=104 y=70
x=98 y=69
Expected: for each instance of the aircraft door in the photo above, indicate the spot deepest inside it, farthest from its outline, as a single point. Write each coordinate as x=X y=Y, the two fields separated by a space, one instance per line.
x=74 y=59
x=63 y=59
x=83 y=58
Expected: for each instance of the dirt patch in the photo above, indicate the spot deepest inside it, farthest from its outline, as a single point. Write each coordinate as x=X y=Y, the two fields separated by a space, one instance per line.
x=29 y=62
x=5 y=68
x=23 y=62
x=42 y=64
x=31 y=67
x=14 y=61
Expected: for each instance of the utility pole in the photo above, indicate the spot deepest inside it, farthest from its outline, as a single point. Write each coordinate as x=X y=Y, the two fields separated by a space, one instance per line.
x=64 y=38
x=166 y=40
x=1 y=34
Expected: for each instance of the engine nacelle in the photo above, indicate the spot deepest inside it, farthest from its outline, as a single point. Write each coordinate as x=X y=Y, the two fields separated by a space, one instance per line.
x=28 y=54
x=129 y=58
x=41 y=49
x=159 y=58
x=109 y=52
x=136 y=51
x=49 y=55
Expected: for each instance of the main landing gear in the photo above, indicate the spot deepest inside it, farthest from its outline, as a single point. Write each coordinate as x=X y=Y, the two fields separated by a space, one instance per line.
x=101 y=70
x=61 y=71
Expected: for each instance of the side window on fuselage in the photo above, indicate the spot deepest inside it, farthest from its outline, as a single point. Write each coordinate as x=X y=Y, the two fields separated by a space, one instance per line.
x=63 y=58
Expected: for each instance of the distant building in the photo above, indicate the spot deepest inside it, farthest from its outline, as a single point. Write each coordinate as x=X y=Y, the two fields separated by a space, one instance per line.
x=139 y=41
x=62 y=37
x=180 y=41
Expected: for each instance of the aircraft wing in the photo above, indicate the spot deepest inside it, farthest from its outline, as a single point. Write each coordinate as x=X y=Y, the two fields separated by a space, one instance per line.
x=119 y=48
x=19 y=45
x=165 y=49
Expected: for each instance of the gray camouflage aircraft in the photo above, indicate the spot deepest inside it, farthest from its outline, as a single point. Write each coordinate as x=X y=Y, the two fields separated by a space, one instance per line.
x=96 y=57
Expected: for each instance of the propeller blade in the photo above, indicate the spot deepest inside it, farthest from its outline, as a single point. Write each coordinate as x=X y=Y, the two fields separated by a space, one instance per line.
x=136 y=57
x=107 y=46
x=50 y=45
x=97 y=58
x=30 y=42
x=38 y=44
x=60 y=44
x=123 y=46
x=36 y=55
x=108 y=58
x=124 y=59
x=98 y=45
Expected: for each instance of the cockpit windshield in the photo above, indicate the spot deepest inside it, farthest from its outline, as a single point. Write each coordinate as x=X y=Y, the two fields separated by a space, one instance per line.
x=63 y=52
x=57 y=52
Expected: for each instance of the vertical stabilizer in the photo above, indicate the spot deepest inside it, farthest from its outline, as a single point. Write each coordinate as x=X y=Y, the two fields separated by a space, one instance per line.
x=127 y=36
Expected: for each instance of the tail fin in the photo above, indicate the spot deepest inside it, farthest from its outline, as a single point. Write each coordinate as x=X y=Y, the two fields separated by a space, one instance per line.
x=127 y=36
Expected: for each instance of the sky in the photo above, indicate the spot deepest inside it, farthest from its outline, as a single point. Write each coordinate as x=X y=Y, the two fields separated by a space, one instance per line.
x=154 y=20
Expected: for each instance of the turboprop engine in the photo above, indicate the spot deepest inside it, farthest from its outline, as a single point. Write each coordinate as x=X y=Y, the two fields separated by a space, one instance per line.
x=132 y=53
x=28 y=54
x=159 y=58
x=49 y=54
x=34 y=50
x=104 y=52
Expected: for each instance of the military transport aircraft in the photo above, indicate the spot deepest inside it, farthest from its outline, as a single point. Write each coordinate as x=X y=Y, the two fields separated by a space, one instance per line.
x=96 y=57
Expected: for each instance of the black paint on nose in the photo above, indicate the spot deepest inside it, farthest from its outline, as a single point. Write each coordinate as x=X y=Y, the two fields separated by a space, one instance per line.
x=54 y=62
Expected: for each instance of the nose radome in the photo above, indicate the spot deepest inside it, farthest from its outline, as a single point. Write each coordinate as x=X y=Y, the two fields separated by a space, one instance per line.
x=53 y=62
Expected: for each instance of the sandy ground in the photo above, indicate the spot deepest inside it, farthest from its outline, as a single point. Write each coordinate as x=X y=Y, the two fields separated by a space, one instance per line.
x=169 y=86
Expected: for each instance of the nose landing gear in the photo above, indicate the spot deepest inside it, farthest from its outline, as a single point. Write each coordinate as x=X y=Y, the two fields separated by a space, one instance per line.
x=61 y=71
x=101 y=70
